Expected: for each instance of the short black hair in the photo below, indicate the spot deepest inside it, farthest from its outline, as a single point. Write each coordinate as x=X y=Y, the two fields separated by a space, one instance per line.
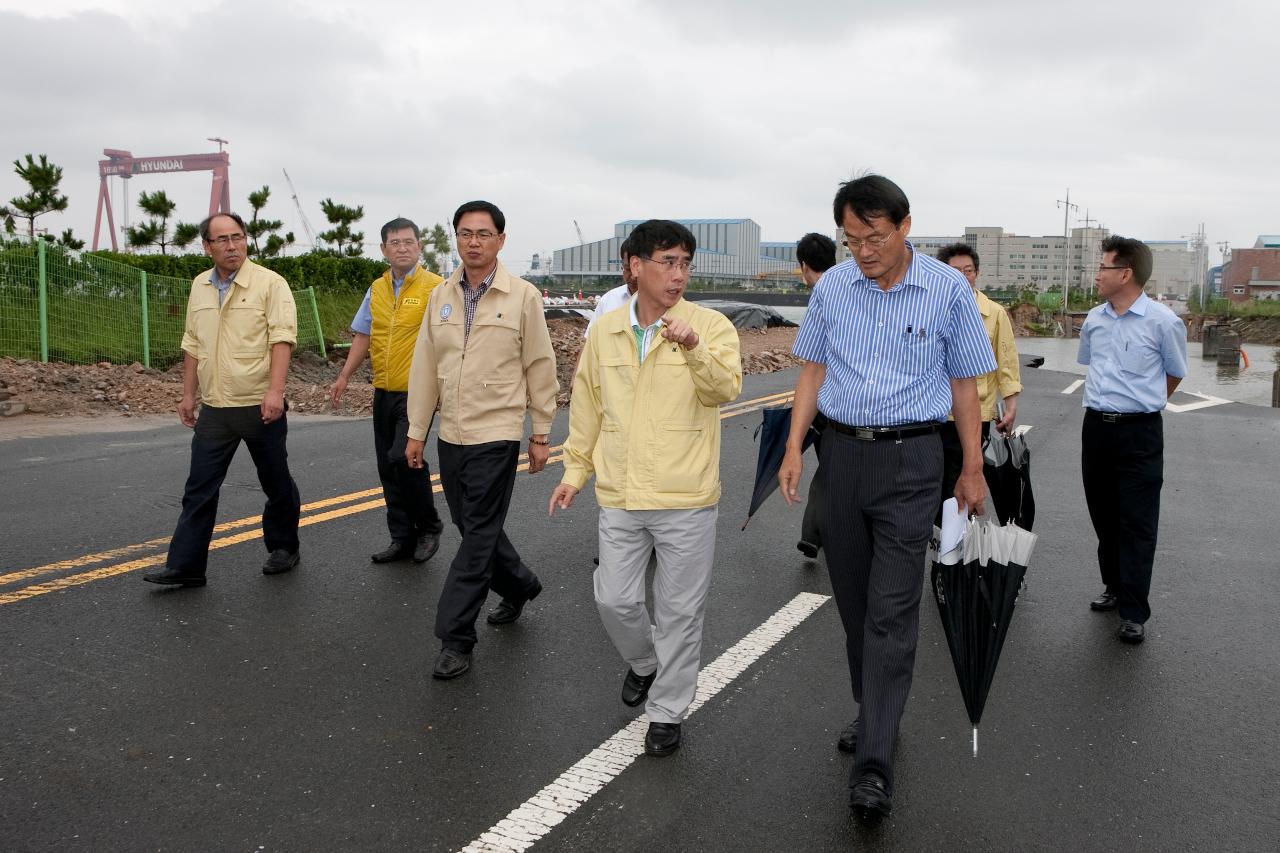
x=869 y=197
x=208 y=220
x=624 y=249
x=816 y=251
x=399 y=224
x=959 y=250
x=655 y=235
x=1131 y=253
x=499 y=221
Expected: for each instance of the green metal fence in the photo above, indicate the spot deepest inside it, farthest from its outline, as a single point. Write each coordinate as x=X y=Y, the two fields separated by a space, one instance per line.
x=60 y=305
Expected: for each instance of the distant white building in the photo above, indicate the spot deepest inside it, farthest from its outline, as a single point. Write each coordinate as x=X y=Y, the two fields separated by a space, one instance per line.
x=727 y=249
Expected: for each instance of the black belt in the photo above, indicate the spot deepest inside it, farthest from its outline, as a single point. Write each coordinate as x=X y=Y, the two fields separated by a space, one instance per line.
x=897 y=433
x=1114 y=417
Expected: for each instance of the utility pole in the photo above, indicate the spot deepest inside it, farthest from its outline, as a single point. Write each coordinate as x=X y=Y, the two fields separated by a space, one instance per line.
x=1225 y=248
x=1086 y=246
x=1067 y=207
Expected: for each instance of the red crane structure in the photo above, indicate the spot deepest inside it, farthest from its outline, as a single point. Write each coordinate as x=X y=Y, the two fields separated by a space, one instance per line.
x=124 y=165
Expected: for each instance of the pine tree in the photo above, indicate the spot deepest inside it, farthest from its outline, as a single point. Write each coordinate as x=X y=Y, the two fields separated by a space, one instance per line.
x=341 y=217
x=155 y=231
x=263 y=241
x=435 y=248
x=43 y=197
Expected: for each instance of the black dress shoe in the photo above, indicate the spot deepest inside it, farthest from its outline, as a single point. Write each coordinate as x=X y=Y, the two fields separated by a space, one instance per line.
x=635 y=688
x=173 y=577
x=662 y=739
x=394 y=551
x=451 y=663
x=509 y=609
x=1130 y=632
x=870 y=799
x=1104 y=602
x=428 y=544
x=848 y=741
x=808 y=549
x=280 y=562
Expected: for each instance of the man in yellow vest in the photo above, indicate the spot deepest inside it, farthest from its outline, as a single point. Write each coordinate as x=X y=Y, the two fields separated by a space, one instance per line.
x=386 y=329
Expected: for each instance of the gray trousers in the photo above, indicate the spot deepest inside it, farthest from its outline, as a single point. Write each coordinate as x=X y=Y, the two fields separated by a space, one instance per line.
x=880 y=501
x=684 y=542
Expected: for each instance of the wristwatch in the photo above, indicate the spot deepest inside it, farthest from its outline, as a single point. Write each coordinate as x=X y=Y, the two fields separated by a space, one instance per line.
x=541 y=442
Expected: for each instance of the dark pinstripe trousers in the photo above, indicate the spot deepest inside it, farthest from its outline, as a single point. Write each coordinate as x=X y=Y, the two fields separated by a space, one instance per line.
x=881 y=497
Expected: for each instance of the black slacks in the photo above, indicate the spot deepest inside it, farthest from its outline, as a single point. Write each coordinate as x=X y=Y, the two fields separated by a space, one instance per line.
x=411 y=507
x=1122 y=465
x=880 y=501
x=217 y=436
x=477 y=480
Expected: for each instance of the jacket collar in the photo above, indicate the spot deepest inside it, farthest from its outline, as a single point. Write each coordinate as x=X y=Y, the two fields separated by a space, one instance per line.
x=501 y=279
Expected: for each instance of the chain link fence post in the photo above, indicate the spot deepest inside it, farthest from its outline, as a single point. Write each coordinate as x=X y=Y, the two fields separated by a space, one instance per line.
x=146 y=323
x=42 y=276
x=315 y=313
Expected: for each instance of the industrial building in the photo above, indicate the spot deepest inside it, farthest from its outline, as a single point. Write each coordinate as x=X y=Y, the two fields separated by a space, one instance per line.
x=729 y=250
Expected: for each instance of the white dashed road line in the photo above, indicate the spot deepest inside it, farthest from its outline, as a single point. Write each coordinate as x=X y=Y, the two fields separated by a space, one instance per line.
x=542 y=812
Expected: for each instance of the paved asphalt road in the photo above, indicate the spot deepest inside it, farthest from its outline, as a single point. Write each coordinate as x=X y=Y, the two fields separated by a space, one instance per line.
x=298 y=713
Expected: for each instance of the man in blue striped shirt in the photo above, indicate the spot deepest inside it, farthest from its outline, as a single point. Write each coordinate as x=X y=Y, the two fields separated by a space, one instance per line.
x=892 y=342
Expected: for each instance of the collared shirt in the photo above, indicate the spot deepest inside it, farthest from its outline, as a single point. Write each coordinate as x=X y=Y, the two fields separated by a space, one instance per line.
x=363 y=322
x=890 y=354
x=223 y=284
x=610 y=301
x=471 y=298
x=644 y=334
x=1130 y=355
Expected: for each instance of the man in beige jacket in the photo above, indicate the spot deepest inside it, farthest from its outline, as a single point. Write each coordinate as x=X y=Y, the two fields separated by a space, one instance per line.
x=645 y=419
x=484 y=355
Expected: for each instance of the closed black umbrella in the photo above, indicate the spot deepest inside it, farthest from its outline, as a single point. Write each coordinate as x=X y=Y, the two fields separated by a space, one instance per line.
x=1006 y=465
x=976 y=587
x=772 y=432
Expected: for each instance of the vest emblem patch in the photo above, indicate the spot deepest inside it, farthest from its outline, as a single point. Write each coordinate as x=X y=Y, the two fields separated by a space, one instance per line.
x=445 y=311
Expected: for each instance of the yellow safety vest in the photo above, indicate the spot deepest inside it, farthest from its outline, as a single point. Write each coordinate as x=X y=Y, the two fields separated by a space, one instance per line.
x=396 y=321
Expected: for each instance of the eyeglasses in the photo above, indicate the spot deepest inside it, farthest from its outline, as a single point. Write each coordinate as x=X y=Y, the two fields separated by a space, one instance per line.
x=402 y=244
x=967 y=270
x=227 y=240
x=466 y=236
x=875 y=241
x=1102 y=267
x=672 y=264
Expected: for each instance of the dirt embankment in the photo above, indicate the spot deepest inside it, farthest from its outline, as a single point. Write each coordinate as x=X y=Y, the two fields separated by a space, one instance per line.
x=125 y=390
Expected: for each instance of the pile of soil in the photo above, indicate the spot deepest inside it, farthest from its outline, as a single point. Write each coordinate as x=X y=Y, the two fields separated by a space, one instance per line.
x=125 y=390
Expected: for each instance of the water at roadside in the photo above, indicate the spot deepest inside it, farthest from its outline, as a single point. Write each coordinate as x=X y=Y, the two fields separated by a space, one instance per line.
x=1241 y=384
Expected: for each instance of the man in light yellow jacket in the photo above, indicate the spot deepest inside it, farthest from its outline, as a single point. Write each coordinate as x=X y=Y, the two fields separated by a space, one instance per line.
x=644 y=418
x=1001 y=386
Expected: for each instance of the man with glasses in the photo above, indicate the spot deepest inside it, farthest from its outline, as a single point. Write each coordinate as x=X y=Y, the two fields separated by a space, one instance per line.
x=1136 y=352
x=645 y=419
x=236 y=347
x=892 y=341
x=484 y=355
x=1004 y=384
x=386 y=329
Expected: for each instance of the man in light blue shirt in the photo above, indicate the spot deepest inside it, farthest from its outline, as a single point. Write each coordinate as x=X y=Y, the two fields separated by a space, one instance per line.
x=1136 y=351
x=892 y=342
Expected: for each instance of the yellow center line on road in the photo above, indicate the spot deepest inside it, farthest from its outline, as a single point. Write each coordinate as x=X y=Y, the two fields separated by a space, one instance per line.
x=727 y=411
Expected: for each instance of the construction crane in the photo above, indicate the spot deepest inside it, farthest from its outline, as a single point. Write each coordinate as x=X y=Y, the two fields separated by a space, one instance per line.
x=581 y=240
x=306 y=224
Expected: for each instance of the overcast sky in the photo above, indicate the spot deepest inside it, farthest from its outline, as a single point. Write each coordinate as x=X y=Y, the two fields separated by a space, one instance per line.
x=1157 y=117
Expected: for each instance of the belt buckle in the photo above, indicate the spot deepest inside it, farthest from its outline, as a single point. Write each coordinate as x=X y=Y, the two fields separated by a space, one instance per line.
x=864 y=434
x=1110 y=417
